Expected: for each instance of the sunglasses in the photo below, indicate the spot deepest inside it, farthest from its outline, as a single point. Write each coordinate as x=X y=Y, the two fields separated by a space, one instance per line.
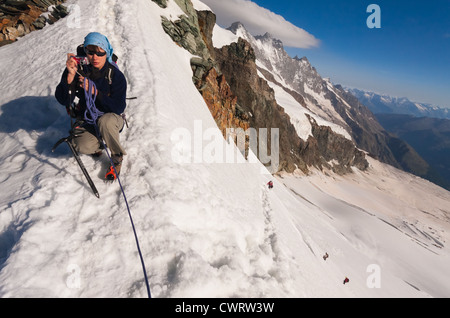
x=90 y=52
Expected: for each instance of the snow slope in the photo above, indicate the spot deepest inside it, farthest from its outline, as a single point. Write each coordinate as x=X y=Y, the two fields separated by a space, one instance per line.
x=205 y=229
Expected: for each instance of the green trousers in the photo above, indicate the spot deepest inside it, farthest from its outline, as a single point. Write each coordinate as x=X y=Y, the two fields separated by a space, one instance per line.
x=109 y=126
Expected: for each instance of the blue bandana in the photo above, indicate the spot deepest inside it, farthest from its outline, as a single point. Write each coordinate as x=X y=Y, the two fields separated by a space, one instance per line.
x=98 y=39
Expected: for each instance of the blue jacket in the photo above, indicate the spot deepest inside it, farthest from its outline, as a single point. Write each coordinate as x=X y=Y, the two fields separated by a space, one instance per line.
x=110 y=98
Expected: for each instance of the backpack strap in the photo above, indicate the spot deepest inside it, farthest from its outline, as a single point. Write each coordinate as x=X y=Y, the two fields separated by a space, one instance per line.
x=110 y=74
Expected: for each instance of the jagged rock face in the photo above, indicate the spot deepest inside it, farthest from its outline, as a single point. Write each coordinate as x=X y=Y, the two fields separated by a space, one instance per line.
x=206 y=22
x=161 y=3
x=193 y=32
x=332 y=147
x=222 y=102
x=184 y=32
x=237 y=61
x=213 y=86
x=18 y=18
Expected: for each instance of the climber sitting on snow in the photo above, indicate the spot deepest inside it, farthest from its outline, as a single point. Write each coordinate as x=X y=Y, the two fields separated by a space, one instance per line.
x=110 y=99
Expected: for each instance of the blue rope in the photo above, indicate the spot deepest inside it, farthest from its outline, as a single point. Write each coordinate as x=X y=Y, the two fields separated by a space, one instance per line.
x=92 y=113
x=90 y=116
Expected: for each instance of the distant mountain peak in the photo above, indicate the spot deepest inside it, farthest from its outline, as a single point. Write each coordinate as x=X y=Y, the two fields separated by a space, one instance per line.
x=268 y=38
x=239 y=29
x=236 y=26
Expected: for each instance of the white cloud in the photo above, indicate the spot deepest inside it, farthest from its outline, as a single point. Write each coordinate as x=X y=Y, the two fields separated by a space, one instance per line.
x=258 y=21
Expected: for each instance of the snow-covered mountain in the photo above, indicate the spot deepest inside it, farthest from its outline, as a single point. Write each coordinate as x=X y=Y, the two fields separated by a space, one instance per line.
x=384 y=104
x=207 y=228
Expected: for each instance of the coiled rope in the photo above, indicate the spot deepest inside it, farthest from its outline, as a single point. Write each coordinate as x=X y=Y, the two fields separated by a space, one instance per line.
x=90 y=116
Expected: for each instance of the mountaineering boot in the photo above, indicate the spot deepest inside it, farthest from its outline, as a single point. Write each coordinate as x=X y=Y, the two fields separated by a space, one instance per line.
x=111 y=174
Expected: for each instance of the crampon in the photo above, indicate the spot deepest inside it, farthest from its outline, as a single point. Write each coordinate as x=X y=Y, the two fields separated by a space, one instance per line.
x=111 y=174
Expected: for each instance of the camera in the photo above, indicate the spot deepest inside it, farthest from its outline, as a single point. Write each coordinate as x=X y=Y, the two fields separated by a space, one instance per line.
x=81 y=60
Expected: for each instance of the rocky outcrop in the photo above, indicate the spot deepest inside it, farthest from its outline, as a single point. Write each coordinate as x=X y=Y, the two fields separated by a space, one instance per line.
x=206 y=23
x=161 y=3
x=18 y=18
x=191 y=32
x=334 y=151
x=222 y=102
x=185 y=31
x=237 y=62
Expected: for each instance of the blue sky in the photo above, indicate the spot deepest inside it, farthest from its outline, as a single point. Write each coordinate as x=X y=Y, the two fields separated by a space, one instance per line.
x=409 y=56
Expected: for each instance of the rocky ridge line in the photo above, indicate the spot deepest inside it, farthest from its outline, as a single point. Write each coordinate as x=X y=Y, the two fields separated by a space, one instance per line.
x=20 y=17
